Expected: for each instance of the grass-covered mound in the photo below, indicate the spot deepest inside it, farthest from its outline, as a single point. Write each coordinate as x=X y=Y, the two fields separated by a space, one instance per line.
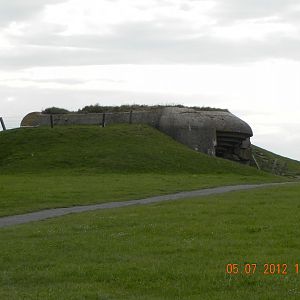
x=113 y=149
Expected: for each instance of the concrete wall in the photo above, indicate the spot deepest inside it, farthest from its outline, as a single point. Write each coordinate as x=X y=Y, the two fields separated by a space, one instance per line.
x=39 y=119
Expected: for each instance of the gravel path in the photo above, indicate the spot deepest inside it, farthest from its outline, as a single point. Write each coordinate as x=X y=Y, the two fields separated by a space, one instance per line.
x=56 y=212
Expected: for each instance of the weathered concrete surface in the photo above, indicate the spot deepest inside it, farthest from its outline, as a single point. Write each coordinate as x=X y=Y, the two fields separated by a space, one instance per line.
x=212 y=132
x=56 y=212
x=201 y=131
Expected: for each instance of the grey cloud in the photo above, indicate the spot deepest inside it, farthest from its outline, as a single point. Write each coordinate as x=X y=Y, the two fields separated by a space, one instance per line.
x=232 y=10
x=164 y=41
x=144 y=43
x=16 y=10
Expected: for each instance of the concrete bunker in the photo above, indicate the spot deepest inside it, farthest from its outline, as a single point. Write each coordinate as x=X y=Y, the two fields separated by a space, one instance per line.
x=216 y=133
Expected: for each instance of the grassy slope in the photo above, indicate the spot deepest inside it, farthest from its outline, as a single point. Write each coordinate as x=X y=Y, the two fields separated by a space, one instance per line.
x=114 y=149
x=175 y=250
x=64 y=166
x=271 y=162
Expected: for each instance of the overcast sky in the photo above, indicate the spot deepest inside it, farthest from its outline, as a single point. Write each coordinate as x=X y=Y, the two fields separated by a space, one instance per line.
x=243 y=55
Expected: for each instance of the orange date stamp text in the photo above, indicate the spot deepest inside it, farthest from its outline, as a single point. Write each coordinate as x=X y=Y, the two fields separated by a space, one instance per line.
x=265 y=269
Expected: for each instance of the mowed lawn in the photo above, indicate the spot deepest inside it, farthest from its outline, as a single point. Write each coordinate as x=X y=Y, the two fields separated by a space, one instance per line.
x=28 y=192
x=175 y=250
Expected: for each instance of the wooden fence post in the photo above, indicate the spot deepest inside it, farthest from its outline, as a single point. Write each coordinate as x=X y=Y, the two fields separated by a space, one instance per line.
x=2 y=123
x=51 y=121
x=103 y=120
x=130 y=117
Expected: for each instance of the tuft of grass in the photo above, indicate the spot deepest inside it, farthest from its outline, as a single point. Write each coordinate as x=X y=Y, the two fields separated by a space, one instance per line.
x=175 y=250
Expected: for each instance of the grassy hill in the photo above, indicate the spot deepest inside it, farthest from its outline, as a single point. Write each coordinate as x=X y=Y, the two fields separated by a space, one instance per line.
x=113 y=149
x=276 y=164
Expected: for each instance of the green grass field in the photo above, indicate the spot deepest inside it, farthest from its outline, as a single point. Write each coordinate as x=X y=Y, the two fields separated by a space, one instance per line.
x=176 y=250
x=45 y=168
